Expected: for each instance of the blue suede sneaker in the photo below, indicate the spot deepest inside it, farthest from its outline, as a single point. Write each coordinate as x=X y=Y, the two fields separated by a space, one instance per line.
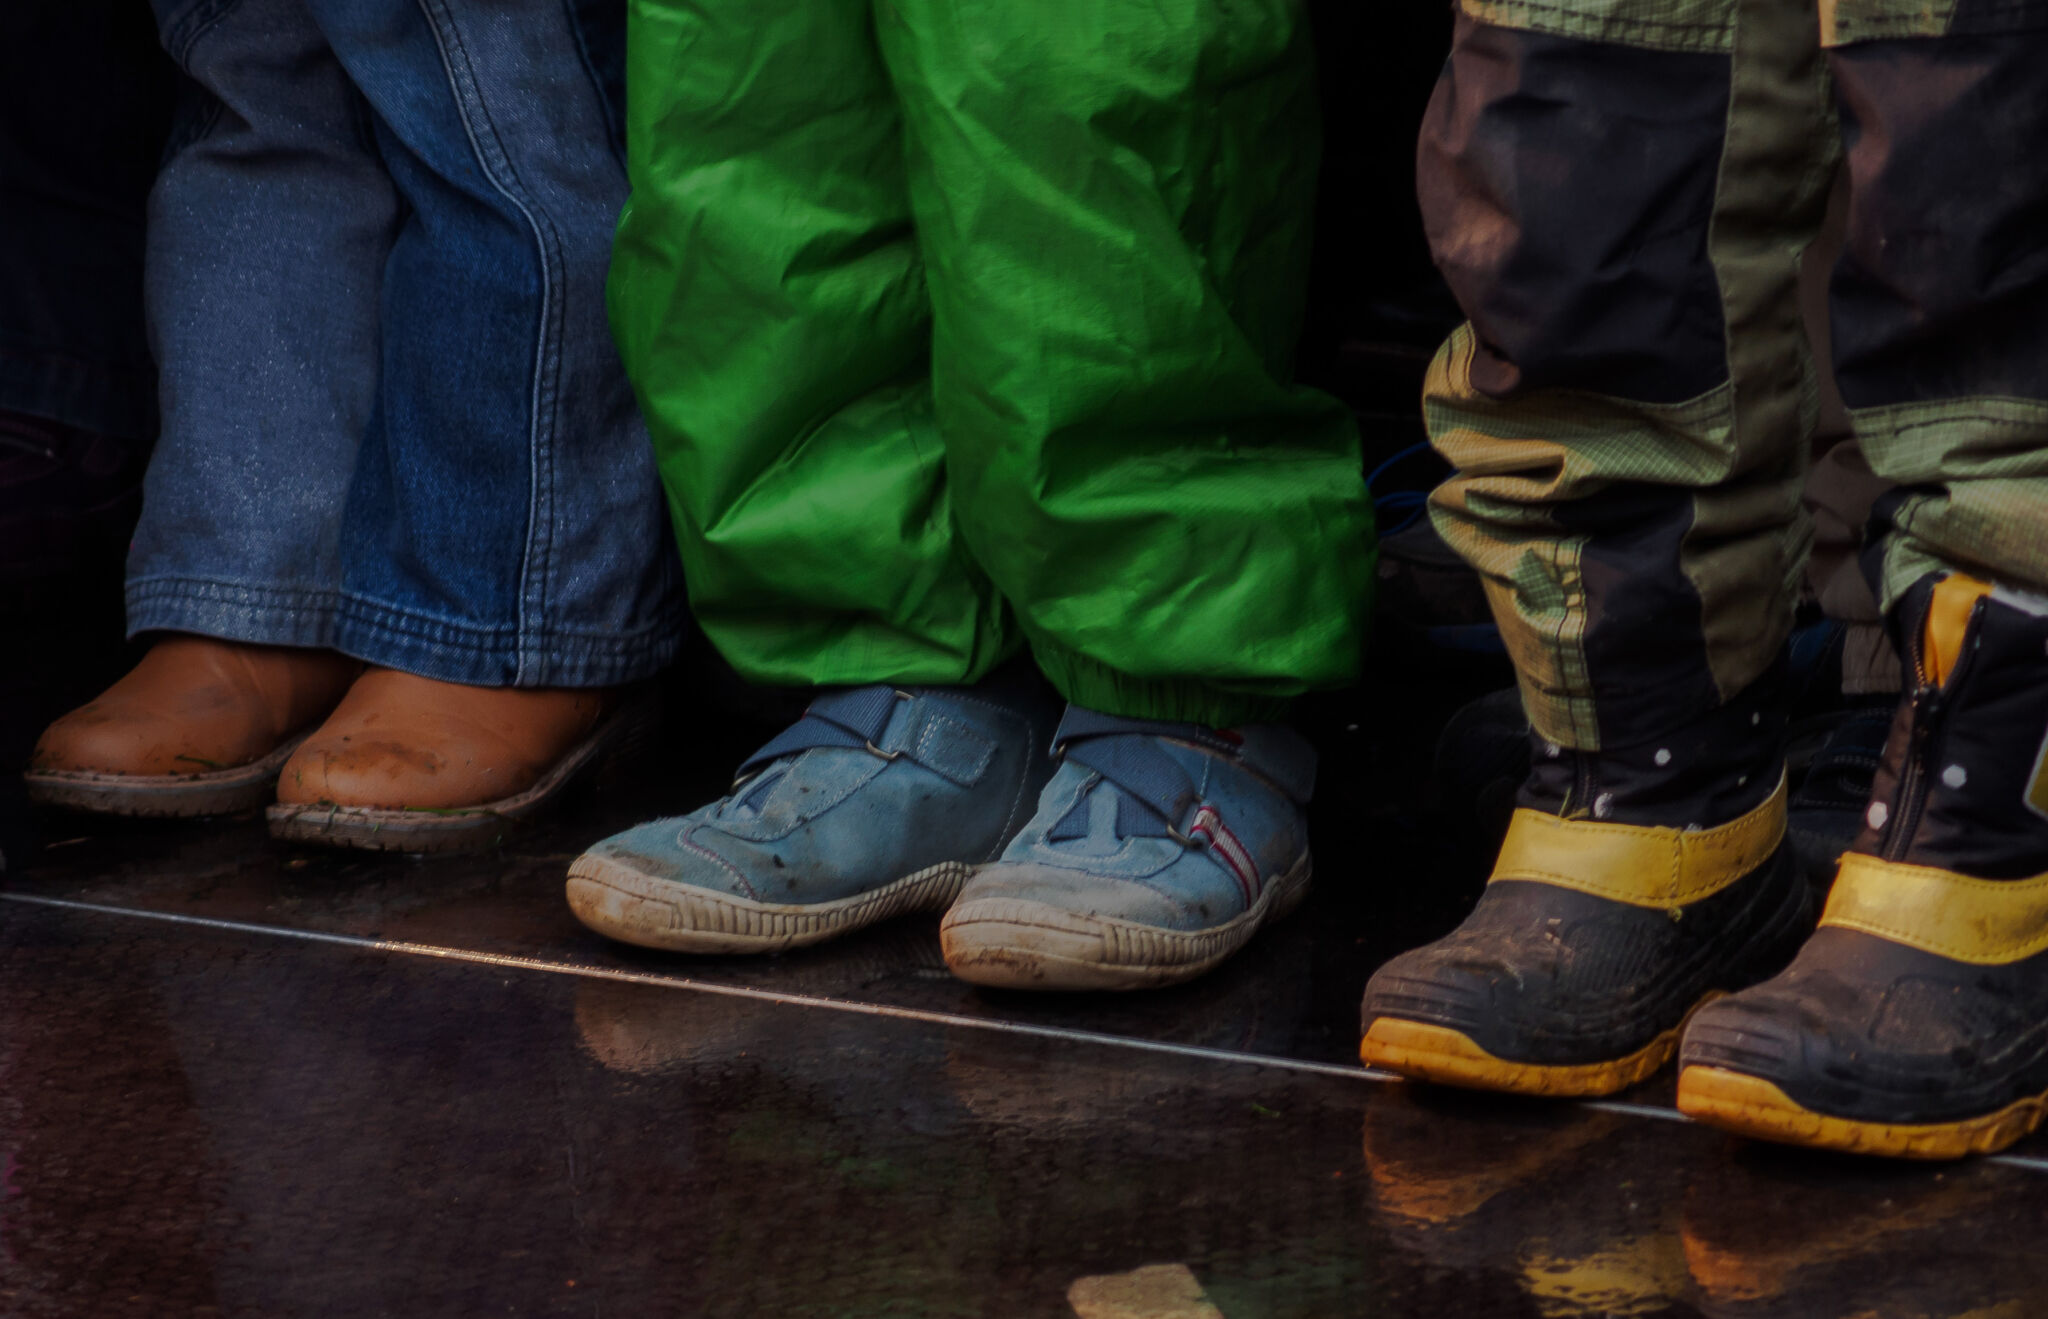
x=876 y=803
x=1157 y=851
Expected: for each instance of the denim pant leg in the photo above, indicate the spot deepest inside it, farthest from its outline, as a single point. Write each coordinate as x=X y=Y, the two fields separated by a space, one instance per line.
x=506 y=525
x=269 y=229
x=395 y=420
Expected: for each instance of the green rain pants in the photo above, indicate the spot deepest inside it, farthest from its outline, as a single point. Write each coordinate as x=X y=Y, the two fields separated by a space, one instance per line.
x=1619 y=192
x=965 y=325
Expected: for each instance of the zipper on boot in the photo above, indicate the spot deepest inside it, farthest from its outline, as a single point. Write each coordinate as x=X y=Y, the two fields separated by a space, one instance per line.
x=1924 y=719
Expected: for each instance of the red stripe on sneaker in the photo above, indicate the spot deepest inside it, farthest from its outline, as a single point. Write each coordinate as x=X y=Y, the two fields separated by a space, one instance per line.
x=1225 y=846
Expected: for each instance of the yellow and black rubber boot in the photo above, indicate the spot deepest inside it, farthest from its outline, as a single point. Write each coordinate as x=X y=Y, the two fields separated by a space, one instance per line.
x=1634 y=884
x=1915 y=1021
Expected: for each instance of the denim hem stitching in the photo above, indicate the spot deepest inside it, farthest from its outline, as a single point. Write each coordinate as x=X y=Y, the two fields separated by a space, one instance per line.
x=251 y=614
x=481 y=656
x=147 y=590
x=435 y=627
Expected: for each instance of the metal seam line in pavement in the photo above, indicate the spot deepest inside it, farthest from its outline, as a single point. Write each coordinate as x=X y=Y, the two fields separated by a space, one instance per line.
x=954 y=1019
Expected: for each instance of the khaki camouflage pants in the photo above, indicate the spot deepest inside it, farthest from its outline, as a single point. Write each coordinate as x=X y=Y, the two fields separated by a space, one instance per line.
x=1619 y=192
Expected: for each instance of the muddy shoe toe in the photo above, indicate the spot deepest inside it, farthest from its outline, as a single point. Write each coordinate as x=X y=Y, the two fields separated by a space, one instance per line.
x=1915 y=1022
x=412 y=764
x=199 y=727
x=1634 y=884
x=875 y=804
x=1552 y=991
x=1158 y=850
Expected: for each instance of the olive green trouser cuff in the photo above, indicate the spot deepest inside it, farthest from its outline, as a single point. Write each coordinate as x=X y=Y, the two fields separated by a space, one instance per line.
x=1973 y=497
x=1711 y=26
x=1618 y=192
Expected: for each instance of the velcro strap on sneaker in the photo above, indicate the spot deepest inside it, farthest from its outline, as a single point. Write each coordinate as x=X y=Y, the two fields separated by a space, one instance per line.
x=1642 y=865
x=947 y=747
x=1156 y=796
x=1987 y=922
x=853 y=719
x=888 y=723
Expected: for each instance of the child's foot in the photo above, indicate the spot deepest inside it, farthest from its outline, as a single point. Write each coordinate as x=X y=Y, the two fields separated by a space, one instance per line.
x=199 y=727
x=1157 y=851
x=410 y=764
x=1914 y=1022
x=876 y=803
x=1635 y=884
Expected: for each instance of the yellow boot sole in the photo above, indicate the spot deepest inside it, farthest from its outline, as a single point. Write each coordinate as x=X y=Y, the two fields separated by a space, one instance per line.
x=1447 y=1057
x=1752 y=1106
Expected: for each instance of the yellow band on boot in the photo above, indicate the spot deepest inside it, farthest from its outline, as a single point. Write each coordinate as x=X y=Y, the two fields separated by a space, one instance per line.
x=1985 y=921
x=1642 y=865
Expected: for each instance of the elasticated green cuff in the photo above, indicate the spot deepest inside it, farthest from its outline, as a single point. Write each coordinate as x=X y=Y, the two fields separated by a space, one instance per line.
x=1185 y=700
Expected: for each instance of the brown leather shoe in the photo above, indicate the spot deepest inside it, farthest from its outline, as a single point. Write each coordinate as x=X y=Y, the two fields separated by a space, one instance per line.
x=409 y=764
x=199 y=727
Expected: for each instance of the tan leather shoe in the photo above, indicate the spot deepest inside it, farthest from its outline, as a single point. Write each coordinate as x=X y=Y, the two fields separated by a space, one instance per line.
x=199 y=727
x=409 y=764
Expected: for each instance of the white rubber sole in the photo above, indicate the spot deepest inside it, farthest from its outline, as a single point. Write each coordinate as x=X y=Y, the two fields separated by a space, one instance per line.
x=624 y=904
x=1007 y=943
x=163 y=796
x=463 y=829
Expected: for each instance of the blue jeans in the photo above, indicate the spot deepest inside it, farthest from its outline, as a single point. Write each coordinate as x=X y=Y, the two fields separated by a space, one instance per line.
x=394 y=423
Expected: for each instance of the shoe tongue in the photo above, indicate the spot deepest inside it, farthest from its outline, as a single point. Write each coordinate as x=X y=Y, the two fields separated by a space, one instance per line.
x=745 y=803
x=1107 y=814
x=1094 y=823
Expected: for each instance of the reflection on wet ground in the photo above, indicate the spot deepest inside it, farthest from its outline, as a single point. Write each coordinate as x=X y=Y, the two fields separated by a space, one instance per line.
x=240 y=1078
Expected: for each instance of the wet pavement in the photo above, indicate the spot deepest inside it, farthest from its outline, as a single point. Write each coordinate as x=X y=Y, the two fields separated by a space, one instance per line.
x=244 y=1078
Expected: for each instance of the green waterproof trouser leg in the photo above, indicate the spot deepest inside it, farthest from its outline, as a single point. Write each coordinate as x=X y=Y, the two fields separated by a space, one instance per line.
x=1619 y=192
x=965 y=326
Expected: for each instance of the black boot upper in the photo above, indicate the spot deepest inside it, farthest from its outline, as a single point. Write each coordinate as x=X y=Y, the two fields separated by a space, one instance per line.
x=1546 y=974
x=1903 y=1009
